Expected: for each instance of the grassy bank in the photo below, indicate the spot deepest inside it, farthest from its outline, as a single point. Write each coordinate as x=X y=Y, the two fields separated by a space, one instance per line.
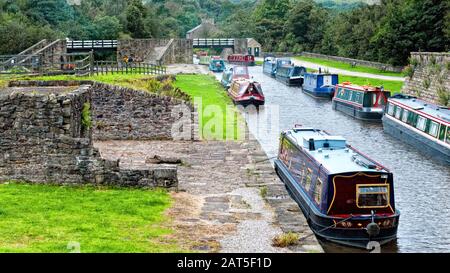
x=393 y=86
x=346 y=66
x=46 y=218
x=215 y=121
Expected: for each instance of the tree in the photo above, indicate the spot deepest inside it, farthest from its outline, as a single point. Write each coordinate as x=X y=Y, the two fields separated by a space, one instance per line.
x=135 y=20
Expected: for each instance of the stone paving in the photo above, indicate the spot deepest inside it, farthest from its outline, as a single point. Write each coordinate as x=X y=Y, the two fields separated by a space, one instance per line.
x=219 y=206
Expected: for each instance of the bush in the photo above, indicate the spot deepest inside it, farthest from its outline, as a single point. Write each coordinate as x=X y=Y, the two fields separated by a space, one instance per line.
x=86 y=121
x=285 y=240
x=408 y=71
x=443 y=96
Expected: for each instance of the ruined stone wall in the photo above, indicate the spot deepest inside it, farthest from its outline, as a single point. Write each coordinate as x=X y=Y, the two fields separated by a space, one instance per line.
x=125 y=114
x=43 y=140
x=381 y=66
x=430 y=77
x=177 y=51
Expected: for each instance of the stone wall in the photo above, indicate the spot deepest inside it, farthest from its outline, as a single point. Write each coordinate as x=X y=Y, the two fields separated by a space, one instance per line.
x=43 y=140
x=430 y=78
x=126 y=114
x=381 y=66
x=154 y=50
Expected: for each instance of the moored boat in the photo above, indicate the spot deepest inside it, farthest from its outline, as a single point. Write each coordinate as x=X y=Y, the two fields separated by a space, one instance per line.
x=240 y=59
x=346 y=197
x=271 y=64
x=319 y=84
x=361 y=102
x=419 y=123
x=217 y=65
x=290 y=75
x=204 y=60
x=246 y=92
x=233 y=73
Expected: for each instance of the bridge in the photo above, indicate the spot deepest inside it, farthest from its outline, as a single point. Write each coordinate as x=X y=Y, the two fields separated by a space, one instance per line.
x=88 y=45
x=211 y=42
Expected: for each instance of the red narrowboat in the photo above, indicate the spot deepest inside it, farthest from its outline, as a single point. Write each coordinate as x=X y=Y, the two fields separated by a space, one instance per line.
x=246 y=92
x=241 y=59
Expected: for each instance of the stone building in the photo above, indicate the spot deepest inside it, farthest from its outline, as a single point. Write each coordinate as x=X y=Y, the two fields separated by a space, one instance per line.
x=429 y=77
x=254 y=48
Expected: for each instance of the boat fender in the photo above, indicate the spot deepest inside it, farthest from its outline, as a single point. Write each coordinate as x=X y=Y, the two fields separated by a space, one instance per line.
x=373 y=229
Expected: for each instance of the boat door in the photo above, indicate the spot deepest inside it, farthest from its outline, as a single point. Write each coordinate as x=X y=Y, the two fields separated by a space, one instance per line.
x=327 y=80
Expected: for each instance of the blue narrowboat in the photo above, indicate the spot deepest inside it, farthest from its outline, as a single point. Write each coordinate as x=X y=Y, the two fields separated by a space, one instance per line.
x=217 y=65
x=290 y=75
x=419 y=123
x=346 y=197
x=320 y=85
x=361 y=102
x=271 y=64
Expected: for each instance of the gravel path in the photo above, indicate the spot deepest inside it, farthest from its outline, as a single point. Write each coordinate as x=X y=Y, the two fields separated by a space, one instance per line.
x=187 y=69
x=244 y=240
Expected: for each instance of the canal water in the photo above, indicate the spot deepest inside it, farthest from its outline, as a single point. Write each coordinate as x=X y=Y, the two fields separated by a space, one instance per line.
x=422 y=185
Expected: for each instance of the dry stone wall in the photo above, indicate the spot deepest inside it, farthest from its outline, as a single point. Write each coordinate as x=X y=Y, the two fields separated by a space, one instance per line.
x=43 y=140
x=430 y=77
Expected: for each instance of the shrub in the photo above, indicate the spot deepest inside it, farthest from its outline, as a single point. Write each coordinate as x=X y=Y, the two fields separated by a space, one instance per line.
x=414 y=62
x=285 y=239
x=408 y=71
x=426 y=83
x=443 y=95
x=263 y=192
x=86 y=121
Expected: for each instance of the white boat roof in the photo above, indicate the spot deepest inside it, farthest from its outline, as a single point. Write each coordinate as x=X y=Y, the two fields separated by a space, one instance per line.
x=424 y=107
x=339 y=157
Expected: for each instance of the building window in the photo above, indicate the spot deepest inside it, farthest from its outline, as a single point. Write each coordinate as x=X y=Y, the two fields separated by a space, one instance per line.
x=405 y=116
x=391 y=109
x=318 y=191
x=372 y=196
x=421 y=123
x=434 y=128
x=398 y=112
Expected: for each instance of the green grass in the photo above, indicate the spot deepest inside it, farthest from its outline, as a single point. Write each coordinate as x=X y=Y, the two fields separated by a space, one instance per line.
x=346 y=66
x=393 y=86
x=213 y=97
x=45 y=218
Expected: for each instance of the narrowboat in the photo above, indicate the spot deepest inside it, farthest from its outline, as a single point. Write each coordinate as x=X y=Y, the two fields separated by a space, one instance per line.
x=419 y=123
x=240 y=59
x=246 y=92
x=233 y=73
x=320 y=85
x=362 y=102
x=290 y=75
x=271 y=64
x=346 y=197
x=205 y=60
x=217 y=65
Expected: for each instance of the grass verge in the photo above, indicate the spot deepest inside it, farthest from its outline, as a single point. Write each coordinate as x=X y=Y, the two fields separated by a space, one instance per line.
x=47 y=218
x=393 y=86
x=218 y=118
x=346 y=66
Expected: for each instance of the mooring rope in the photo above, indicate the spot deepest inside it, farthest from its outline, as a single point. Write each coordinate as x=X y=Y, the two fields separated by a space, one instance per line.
x=333 y=225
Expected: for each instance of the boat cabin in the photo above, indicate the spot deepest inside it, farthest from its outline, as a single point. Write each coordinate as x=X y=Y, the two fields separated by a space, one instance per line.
x=361 y=102
x=217 y=65
x=234 y=73
x=419 y=123
x=240 y=59
x=290 y=74
x=346 y=196
x=271 y=64
x=320 y=84
x=246 y=92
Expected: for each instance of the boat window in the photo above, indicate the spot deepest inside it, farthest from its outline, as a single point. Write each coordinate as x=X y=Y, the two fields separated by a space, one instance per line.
x=398 y=112
x=318 y=191
x=447 y=138
x=442 y=132
x=405 y=116
x=372 y=196
x=391 y=109
x=421 y=123
x=433 y=130
x=308 y=180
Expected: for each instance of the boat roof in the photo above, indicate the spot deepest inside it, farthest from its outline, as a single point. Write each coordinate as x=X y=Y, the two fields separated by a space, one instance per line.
x=338 y=157
x=364 y=88
x=320 y=74
x=430 y=109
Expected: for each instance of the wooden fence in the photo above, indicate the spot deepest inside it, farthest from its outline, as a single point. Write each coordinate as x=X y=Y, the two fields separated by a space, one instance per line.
x=105 y=67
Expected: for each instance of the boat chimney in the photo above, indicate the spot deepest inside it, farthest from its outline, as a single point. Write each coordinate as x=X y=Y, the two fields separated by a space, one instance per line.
x=311 y=144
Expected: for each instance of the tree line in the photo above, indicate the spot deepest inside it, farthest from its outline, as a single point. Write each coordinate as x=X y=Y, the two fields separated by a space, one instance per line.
x=385 y=32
